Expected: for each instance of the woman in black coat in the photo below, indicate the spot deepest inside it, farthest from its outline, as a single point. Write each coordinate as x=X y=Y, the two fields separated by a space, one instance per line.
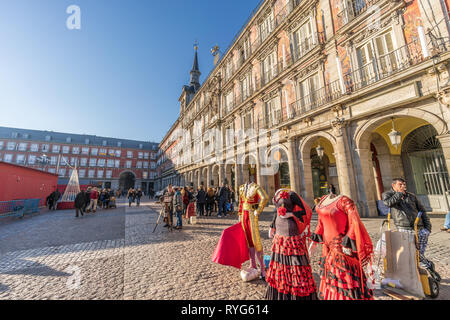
x=80 y=202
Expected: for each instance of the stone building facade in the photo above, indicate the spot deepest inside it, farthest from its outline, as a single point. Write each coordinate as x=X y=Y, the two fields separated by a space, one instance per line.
x=356 y=93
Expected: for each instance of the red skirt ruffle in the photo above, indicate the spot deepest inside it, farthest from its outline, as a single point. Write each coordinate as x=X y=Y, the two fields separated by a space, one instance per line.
x=289 y=275
x=342 y=278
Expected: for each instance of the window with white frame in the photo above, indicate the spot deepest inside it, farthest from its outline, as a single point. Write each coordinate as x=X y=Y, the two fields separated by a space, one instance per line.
x=304 y=39
x=92 y=162
x=52 y=170
x=245 y=87
x=247 y=122
x=146 y=155
x=8 y=157
x=56 y=148
x=31 y=159
x=144 y=175
x=139 y=165
x=85 y=151
x=64 y=161
x=94 y=151
x=308 y=92
x=91 y=173
x=269 y=67
x=101 y=163
x=11 y=146
x=83 y=162
x=23 y=146
x=117 y=163
x=111 y=152
x=110 y=163
x=377 y=56
x=229 y=101
x=118 y=153
x=266 y=27
x=108 y=174
x=273 y=110
x=53 y=161
x=228 y=69
x=129 y=154
x=74 y=161
x=82 y=173
x=34 y=147
x=103 y=152
x=1 y=145
x=76 y=150
x=152 y=165
x=145 y=165
x=62 y=172
x=65 y=149
x=45 y=148
x=140 y=155
x=128 y=164
x=100 y=174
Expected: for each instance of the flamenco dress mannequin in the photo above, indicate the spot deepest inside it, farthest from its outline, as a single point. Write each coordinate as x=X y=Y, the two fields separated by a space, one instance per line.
x=347 y=250
x=289 y=276
x=252 y=200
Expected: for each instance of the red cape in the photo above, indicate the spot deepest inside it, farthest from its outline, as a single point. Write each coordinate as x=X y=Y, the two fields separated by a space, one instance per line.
x=232 y=248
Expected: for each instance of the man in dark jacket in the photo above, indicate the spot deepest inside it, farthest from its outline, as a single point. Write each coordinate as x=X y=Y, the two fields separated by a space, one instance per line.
x=223 y=195
x=201 y=200
x=405 y=207
x=80 y=201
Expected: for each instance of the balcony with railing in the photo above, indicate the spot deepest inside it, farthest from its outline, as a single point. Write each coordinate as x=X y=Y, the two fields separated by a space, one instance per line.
x=353 y=9
x=380 y=68
x=307 y=45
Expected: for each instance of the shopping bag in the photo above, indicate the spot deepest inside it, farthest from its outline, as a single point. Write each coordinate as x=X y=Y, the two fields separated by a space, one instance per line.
x=401 y=262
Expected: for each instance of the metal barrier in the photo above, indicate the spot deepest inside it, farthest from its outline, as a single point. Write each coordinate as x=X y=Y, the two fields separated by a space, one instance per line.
x=18 y=208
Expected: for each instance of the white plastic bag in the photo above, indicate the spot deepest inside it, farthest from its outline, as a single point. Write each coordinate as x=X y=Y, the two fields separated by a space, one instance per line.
x=193 y=220
x=380 y=249
x=249 y=275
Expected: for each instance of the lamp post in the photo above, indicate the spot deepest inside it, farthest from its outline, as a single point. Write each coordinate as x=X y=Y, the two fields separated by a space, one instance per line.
x=395 y=136
x=320 y=151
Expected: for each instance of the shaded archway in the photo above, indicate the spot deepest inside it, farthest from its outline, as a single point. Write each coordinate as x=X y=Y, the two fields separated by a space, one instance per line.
x=278 y=158
x=427 y=161
x=127 y=180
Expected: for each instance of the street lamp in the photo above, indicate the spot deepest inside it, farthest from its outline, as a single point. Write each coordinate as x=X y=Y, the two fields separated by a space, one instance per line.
x=395 y=136
x=320 y=151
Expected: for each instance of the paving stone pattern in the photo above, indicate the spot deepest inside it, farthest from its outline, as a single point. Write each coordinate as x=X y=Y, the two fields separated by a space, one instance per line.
x=113 y=254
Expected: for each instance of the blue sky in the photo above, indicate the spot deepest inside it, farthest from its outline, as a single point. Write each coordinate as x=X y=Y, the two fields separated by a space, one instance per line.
x=120 y=75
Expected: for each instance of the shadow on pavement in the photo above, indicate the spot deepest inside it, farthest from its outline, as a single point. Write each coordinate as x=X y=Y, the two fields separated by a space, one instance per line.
x=38 y=270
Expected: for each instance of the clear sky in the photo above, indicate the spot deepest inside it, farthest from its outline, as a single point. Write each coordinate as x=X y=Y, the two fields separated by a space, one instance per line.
x=120 y=75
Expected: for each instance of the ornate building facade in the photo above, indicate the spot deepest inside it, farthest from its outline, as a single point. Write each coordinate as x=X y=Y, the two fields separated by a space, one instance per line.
x=356 y=92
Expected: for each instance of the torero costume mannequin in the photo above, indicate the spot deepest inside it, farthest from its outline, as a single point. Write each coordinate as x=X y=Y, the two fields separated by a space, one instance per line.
x=252 y=200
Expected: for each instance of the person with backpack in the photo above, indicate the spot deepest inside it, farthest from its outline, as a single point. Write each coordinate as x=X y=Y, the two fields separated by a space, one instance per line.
x=138 y=197
x=223 y=195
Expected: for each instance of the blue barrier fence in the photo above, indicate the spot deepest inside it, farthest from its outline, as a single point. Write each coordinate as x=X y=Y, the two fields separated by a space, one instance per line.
x=18 y=208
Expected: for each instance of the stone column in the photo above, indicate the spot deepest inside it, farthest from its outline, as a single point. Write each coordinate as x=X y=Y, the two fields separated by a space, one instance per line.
x=199 y=178
x=306 y=189
x=238 y=178
x=221 y=174
x=208 y=177
x=343 y=160
x=293 y=165
x=445 y=143
x=368 y=189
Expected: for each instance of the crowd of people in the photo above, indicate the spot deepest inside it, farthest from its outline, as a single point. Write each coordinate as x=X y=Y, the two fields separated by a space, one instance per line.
x=92 y=199
x=177 y=201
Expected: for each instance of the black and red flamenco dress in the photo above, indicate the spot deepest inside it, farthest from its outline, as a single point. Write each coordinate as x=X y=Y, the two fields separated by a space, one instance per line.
x=289 y=276
x=340 y=229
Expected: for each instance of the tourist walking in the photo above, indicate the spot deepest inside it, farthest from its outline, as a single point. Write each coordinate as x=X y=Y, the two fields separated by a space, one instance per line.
x=178 y=207
x=223 y=196
x=290 y=275
x=87 y=198
x=131 y=195
x=138 y=197
x=105 y=200
x=201 y=201
x=186 y=199
x=93 y=201
x=210 y=199
x=79 y=203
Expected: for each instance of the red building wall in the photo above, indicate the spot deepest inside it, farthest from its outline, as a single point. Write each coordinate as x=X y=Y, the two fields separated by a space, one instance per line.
x=17 y=182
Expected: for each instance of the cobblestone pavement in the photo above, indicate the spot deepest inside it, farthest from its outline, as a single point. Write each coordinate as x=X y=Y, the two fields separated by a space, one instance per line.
x=114 y=255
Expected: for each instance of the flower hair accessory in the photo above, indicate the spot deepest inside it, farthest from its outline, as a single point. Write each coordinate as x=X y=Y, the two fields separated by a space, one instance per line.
x=282 y=211
x=284 y=195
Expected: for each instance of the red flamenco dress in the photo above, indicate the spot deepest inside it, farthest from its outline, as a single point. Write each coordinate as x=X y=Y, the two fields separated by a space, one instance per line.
x=340 y=230
x=290 y=276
